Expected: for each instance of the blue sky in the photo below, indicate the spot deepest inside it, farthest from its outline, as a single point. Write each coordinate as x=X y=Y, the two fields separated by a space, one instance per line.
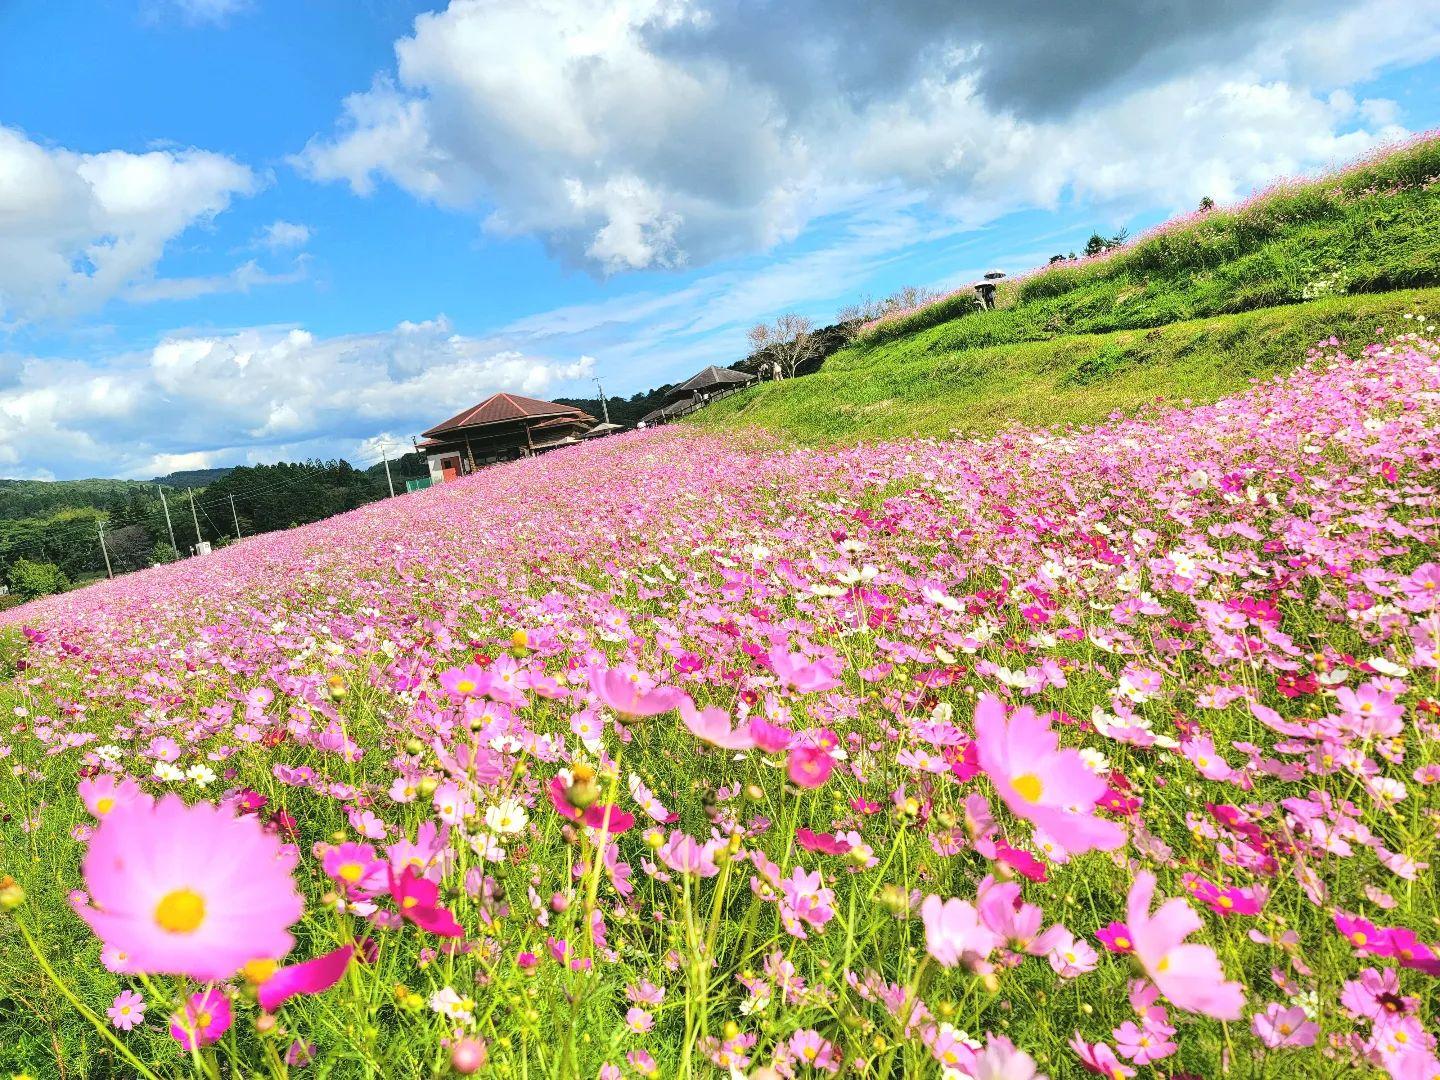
x=236 y=231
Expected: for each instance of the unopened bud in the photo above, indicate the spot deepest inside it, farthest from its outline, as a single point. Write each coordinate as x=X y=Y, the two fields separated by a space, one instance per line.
x=335 y=687
x=467 y=1056
x=894 y=900
x=414 y=746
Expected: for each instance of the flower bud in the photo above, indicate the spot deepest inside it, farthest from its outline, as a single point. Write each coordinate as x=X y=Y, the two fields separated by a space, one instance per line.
x=11 y=895
x=894 y=900
x=467 y=1055
x=428 y=784
x=335 y=687
x=414 y=746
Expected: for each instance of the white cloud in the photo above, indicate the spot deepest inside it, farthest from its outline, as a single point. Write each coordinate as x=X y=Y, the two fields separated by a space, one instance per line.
x=248 y=275
x=217 y=12
x=654 y=133
x=254 y=393
x=77 y=229
x=283 y=235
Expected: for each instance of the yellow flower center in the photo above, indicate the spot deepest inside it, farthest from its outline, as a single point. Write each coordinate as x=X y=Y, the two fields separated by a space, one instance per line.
x=351 y=872
x=1225 y=902
x=1122 y=943
x=520 y=639
x=202 y=1021
x=465 y=686
x=1163 y=965
x=180 y=911
x=1285 y=1029
x=104 y=805
x=257 y=972
x=1358 y=937
x=1028 y=787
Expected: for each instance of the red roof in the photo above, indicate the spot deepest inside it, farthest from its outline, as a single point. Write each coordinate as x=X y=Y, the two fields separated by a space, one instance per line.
x=499 y=408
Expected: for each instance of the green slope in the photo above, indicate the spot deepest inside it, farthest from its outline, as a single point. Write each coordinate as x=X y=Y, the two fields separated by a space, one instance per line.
x=919 y=386
x=1191 y=310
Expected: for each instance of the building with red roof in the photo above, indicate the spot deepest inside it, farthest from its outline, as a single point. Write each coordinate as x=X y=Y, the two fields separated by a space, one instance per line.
x=503 y=427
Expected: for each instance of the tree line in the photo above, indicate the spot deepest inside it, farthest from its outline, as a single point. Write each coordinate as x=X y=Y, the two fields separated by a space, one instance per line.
x=54 y=550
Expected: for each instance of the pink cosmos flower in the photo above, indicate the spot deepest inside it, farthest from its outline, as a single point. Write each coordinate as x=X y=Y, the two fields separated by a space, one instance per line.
x=800 y=673
x=1189 y=975
x=127 y=1010
x=1052 y=788
x=469 y=681
x=809 y=1047
x=187 y=890
x=638 y=1020
x=685 y=855
x=626 y=691
x=809 y=766
x=205 y=1018
x=713 y=726
x=954 y=933
x=103 y=793
x=357 y=869
x=417 y=898
x=278 y=985
x=1099 y=1058
x=1002 y=1060
x=1142 y=1045
x=1280 y=1026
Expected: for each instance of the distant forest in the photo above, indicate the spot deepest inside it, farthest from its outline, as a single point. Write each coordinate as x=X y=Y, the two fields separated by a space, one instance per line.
x=50 y=531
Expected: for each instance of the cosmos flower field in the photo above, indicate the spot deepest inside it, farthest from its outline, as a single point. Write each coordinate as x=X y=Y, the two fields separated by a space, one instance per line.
x=1100 y=751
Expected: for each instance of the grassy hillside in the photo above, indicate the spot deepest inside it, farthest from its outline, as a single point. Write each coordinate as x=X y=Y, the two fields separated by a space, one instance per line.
x=1192 y=309
x=924 y=384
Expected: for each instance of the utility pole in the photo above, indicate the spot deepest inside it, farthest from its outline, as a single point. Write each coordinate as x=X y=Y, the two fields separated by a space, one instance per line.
x=236 y=516
x=103 y=550
x=388 y=480
x=604 y=405
x=195 y=518
x=173 y=546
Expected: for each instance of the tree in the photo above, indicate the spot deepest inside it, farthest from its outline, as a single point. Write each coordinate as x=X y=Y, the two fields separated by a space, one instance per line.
x=789 y=341
x=1207 y=204
x=1097 y=243
x=32 y=580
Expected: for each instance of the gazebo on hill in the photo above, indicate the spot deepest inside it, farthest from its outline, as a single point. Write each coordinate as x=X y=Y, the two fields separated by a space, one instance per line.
x=696 y=392
x=501 y=428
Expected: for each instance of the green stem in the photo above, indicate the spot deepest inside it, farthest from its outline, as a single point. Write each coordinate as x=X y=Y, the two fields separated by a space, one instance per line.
x=79 y=1006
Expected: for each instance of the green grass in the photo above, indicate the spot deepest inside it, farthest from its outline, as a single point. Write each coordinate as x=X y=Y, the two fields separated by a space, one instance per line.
x=929 y=384
x=1192 y=310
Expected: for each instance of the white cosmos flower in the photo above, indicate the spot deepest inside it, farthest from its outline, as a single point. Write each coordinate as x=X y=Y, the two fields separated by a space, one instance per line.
x=507 y=817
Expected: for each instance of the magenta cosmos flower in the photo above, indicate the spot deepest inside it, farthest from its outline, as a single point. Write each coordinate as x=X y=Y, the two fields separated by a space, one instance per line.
x=189 y=890
x=1051 y=788
x=204 y=1019
x=277 y=985
x=1189 y=975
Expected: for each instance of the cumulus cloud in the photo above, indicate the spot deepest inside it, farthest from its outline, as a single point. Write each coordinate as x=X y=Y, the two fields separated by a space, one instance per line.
x=77 y=229
x=258 y=392
x=656 y=133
